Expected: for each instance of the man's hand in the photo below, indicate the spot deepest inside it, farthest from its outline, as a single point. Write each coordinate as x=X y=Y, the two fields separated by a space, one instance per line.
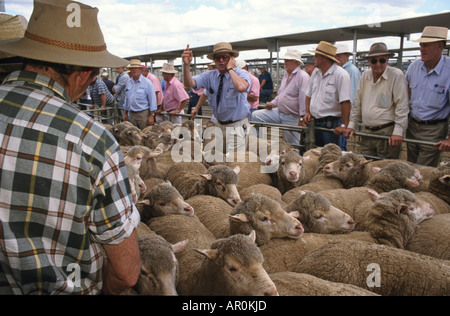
x=231 y=62
x=443 y=145
x=269 y=106
x=395 y=141
x=187 y=56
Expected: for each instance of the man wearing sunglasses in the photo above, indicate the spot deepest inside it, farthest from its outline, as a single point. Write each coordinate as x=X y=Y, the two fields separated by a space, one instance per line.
x=381 y=102
x=429 y=87
x=227 y=88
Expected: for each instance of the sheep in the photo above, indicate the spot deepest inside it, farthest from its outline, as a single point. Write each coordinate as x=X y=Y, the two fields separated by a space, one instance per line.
x=299 y=284
x=213 y=212
x=431 y=238
x=439 y=183
x=290 y=173
x=155 y=166
x=231 y=267
x=285 y=254
x=131 y=136
x=133 y=161
x=384 y=270
x=117 y=129
x=160 y=268
x=150 y=139
x=164 y=199
x=319 y=181
x=266 y=217
x=264 y=189
x=165 y=142
x=396 y=175
x=393 y=218
x=317 y=215
x=192 y=178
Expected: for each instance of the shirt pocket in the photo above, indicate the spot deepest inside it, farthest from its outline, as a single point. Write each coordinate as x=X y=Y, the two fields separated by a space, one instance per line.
x=140 y=94
x=329 y=94
x=384 y=100
x=438 y=96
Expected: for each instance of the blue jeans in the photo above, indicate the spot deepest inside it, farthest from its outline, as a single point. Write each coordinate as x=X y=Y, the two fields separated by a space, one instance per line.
x=323 y=138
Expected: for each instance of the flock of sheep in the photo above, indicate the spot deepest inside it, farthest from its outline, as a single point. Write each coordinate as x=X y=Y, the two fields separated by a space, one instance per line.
x=327 y=223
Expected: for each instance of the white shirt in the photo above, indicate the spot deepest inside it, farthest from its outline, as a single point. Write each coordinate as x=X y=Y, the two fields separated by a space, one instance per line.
x=327 y=92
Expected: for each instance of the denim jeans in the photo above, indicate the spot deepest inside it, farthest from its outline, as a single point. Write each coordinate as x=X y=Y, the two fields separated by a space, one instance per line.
x=323 y=138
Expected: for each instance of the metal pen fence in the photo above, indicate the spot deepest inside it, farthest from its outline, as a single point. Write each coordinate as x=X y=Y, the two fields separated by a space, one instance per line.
x=353 y=143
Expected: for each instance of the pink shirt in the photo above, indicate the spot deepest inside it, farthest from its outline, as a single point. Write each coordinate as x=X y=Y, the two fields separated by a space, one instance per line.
x=254 y=90
x=291 y=96
x=175 y=95
x=157 y=86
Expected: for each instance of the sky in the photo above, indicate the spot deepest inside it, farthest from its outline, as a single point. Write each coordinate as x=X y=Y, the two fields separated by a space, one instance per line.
x=135 y=27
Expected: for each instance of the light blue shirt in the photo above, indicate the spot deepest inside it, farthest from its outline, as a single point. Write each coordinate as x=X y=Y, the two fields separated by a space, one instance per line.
x=429 y=90
x=140 y=95
x=233 y=105
x=355 y=76
x=120 y=87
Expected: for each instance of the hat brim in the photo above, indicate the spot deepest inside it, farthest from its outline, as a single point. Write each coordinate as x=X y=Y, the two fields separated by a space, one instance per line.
x=322 y=54
x=296 y=59
x=380 y=54
x=430 y=40
x=234 y=52
x=31 y=49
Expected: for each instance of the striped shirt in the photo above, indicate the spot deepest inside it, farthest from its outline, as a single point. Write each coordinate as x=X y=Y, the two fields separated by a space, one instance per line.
x=64 y=191
x=97 y=89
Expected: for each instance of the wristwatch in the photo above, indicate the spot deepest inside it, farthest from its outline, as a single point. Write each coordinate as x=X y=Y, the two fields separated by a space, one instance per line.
x=228 y=70
x=301 y=119
x=343 y=126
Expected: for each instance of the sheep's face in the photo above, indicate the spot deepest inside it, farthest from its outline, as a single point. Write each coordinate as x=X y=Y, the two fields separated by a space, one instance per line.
x=327 y=221
x=291 y=169
x=227 y=192
x=173 y=204
x=418 y=211
x=159 y=271
x=239 y=263
x=345 y=167
x=134 y=136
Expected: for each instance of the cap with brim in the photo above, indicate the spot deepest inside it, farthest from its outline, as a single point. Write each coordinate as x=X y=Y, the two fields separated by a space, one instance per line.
x=326 y=49
x=222 y=48
x=433 y=34
x=379 y=49
x=50 y=37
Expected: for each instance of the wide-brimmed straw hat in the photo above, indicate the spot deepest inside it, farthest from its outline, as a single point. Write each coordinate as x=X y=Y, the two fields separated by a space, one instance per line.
x=53 y=35
x=11 y=27
x=433 y=34
x=343 y=49
x=221 y=48
x=168 y=68
x=135 y=63
x=326 y=49
x=379 y=49
x=293 y=54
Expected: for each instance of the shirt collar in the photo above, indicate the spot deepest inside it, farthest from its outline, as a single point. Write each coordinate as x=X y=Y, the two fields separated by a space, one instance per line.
x=40 y=82
x=436 y=69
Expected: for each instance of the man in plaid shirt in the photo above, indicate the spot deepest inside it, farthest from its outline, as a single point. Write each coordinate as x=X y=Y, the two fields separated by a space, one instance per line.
x=67 y=222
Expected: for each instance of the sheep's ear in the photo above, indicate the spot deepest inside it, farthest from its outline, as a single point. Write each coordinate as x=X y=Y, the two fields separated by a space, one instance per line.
x=402 y=209
x=373 y=195
x=237 y=169
x=169 y=183
x=365 y=162
x=252 y=235
x=301 y=193
x=316 y=152
x=295 y=214
x=180 y=246
x=208 y=253
x=145 y=202
x=445 y=179
x=239 y=218
x=207 y=176
x=376 y=169
x=306 y=158
x=412 y=183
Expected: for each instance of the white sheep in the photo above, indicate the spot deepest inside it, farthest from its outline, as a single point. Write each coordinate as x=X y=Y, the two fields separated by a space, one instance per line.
x=300 y=284
x=317 y=215
x=159 y=271
x=291 y=172
x=163 y=199
x=266 y=217
x=384 y=270
x=192 y=178
x=229 y=267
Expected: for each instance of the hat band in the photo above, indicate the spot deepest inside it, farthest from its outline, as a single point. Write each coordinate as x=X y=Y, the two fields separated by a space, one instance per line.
x=66 y=45
x=435 y=37
x=324 y=52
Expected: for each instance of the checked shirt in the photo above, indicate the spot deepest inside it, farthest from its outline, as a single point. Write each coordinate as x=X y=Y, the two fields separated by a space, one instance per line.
x=64 y=191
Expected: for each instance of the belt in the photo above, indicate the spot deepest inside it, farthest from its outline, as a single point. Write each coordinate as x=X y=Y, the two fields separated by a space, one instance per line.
x=227 y=122
x=326 y=119
x=431 y=122
x=379 y=127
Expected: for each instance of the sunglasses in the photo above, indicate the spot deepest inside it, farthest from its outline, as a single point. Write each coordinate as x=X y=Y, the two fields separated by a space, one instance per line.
x=374 y=61
x=224 y=57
